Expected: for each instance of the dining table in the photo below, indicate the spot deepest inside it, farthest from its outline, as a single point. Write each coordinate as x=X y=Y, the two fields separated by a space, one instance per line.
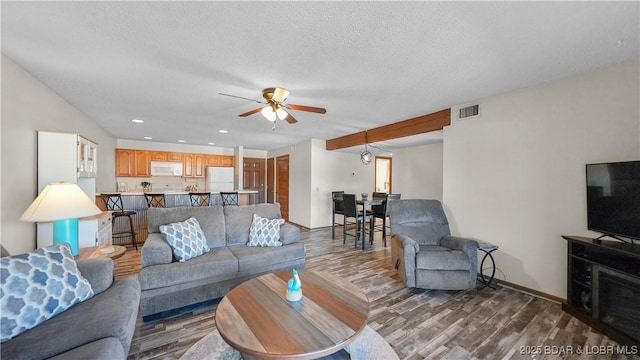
x=365 y=202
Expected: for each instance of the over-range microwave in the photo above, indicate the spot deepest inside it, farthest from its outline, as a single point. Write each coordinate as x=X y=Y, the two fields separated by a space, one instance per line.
x=165 y=168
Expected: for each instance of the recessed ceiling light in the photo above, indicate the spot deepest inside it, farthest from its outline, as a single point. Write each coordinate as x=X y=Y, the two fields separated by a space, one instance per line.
x=181 y=141
x=148 y=138
x=211 y=143
x=222 y=131
x=137 y=121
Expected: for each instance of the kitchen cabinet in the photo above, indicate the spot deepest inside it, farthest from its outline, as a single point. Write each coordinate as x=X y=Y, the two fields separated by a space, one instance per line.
x=125 y=162
x=173 y=156
x=193 y=165
x=143 y=163
x=219 y=160
x=66 y=157
x=92 y=231
x=159 y=156
x=87 y=158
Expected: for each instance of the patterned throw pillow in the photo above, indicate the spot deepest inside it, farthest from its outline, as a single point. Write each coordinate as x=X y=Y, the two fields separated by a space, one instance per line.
x=265 y=232
x=185 y=238
x=37 y=286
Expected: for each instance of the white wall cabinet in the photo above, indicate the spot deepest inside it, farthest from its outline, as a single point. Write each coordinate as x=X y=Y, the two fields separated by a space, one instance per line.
x=87 y=158
x=92 y=231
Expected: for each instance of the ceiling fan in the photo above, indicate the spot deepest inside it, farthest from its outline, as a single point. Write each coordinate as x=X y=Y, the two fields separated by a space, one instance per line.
x=276 y=109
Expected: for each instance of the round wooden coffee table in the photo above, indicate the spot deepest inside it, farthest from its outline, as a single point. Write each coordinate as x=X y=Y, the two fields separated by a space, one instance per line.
x=256 y=319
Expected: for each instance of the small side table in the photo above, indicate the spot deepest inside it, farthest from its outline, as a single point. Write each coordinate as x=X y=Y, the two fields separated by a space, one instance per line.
x=487 y=249
x=102 y=252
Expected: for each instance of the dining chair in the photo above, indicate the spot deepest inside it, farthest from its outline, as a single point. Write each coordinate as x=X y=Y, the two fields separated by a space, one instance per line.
x=229 y=198
x=113 y=203
x=382 y=212
x=155 y=199
x=359 y=220
x=337 y=208
x=200 y=198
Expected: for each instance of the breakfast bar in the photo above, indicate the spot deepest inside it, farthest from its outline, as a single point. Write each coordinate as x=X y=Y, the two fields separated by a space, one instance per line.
x=136 y=201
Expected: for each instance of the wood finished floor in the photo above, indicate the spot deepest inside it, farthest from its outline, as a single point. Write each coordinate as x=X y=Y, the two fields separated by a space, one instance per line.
x=419 y=324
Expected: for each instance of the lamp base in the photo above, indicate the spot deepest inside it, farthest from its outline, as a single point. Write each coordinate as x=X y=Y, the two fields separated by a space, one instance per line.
x=67 y=231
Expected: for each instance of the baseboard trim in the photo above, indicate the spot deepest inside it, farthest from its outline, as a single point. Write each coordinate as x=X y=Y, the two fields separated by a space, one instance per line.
x=531 y=291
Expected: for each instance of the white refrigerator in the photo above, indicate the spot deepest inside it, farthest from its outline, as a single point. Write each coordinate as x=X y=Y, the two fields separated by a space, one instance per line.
x=219 y=179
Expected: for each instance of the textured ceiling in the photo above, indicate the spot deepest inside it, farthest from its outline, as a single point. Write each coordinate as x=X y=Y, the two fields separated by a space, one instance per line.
x=367 y=63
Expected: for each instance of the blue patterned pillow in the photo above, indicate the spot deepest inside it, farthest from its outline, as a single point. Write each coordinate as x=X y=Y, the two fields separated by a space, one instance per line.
x=37 y=286
x=185 y=238
x=265 y=232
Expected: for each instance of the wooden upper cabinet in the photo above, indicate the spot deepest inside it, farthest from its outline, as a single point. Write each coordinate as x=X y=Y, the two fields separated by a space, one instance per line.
x=159 y=156
x=125 y=162
x=212 y=160
x=143 y=163
x=227 y=160
x=198 y=165
x=187 y=165
x=173 y=156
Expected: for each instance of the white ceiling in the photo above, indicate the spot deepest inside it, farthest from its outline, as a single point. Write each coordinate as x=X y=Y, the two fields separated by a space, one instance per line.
x=367 y=63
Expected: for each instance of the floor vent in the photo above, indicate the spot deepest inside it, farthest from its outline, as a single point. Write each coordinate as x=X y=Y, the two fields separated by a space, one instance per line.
x=469 y=111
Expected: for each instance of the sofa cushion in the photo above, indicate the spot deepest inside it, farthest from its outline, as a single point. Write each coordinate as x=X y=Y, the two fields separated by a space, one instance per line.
x=185 y=238
x=112 y=313
x=265 y=232
x=434 y=257
x=238 y=220
x=211 y=219
x=254 y=259
x=37 y=286
x=103 y=349
x=216 y=265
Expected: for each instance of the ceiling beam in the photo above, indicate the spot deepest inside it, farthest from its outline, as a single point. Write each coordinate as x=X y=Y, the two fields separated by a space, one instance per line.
x=418 y=125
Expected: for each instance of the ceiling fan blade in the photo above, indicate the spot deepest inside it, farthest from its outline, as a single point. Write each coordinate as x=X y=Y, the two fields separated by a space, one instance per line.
x=250 y=112
x=240 y=97
x=290 y=119
x=307 y=108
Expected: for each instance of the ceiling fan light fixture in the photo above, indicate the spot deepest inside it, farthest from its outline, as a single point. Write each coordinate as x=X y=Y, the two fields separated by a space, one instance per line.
x=268 y=113
x=282 y=113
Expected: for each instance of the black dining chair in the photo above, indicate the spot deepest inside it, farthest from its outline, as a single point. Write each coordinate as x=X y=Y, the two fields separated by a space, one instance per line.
x=382 y=212
x=200 y=198
x=337 y=208
x=359 y=220
x=113 y=203
x=155 y=200
x=229 y=198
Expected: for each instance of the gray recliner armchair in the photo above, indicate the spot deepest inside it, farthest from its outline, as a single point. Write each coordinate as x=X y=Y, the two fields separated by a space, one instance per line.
x=424 y=252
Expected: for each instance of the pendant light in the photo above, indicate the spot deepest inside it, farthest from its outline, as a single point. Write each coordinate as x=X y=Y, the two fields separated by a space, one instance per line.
x=365 y=156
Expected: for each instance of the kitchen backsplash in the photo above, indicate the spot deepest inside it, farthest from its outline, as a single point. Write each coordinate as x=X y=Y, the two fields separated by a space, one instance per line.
x=159 y=183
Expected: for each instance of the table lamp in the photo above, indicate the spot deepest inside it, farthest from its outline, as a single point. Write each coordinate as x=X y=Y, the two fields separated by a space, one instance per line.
x=62 y=203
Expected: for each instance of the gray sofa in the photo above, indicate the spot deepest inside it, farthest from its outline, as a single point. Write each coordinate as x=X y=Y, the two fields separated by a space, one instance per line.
x=423 y=251
x=168 y=284
x=99 y=328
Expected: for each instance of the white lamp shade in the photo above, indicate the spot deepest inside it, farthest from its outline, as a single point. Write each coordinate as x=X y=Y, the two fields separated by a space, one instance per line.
x=60 y=201
x=268 y=112
x=282 y=113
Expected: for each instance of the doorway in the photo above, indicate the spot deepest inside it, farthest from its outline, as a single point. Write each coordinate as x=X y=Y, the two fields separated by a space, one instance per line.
x=253 y=177
x=383 y=174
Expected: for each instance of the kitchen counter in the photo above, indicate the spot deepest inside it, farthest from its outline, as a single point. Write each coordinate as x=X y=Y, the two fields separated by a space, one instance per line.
x=140 y=193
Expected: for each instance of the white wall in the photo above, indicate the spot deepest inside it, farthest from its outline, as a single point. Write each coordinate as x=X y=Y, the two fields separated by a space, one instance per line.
x=515 y=176
x=314 y=173
x=29 y=105
x=417 y=172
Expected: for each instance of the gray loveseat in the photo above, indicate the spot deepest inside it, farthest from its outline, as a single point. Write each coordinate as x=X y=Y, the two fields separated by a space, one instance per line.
x=98 y=328
x=168 y=284
x=424 y=252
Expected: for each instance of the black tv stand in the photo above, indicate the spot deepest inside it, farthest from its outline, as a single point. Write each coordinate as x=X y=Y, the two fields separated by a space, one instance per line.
x=603 y=286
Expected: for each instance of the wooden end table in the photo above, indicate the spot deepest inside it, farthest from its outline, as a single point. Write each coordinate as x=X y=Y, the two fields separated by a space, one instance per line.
x=102 y=252
x=256 y=319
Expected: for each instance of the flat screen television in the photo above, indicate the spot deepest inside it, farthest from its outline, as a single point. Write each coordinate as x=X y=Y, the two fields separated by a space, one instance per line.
x=613 y=199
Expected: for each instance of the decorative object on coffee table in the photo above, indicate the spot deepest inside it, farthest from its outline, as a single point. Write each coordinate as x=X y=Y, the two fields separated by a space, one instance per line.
x=256 y=319
x=294 y=287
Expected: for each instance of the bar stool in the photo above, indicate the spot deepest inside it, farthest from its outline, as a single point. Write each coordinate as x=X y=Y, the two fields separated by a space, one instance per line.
x=200 y=198
x=382 y=212
x=113 y=203
x=351 y=211
x=155 y=200
x=337 y=208
x=229 y=198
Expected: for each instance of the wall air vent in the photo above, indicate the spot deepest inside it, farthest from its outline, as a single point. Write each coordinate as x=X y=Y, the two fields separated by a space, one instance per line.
x=469 y=111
